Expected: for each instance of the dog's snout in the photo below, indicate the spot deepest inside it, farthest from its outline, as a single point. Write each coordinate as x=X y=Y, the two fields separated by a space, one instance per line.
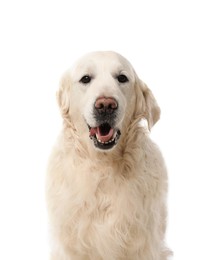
x=106 y=105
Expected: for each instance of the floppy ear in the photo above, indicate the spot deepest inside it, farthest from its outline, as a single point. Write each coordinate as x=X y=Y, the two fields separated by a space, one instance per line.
x=147 y=104
x=63 y=96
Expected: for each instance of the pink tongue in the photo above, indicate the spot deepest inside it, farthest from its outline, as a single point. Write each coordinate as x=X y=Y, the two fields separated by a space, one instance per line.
x=105 y=138
x=102 y=138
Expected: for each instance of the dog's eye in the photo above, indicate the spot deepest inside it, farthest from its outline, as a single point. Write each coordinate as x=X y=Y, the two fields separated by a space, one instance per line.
x=122 y=78
x=85 y=79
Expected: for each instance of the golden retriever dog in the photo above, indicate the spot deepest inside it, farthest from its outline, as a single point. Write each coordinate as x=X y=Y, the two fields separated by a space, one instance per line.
x=106 y=180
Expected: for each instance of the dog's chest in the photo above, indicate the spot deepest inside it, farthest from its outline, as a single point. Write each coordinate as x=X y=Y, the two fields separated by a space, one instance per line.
x=101 y=204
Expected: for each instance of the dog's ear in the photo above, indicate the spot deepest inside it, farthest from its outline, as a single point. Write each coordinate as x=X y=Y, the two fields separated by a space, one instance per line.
x=146 y=104
x=63 y=96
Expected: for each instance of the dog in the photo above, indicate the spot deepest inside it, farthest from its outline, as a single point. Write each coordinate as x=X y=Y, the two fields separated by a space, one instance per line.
x=106 y=180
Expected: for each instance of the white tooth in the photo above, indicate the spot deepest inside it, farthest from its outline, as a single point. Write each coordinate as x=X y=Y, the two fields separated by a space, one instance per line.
x=98 y=138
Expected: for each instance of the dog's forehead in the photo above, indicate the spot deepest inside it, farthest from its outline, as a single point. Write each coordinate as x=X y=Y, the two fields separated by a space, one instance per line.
x=106 y=61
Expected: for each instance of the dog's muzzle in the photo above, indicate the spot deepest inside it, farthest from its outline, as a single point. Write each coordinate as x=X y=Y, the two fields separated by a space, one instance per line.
x=104 y=134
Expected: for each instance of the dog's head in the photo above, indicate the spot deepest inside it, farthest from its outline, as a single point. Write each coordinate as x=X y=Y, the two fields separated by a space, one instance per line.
x=100 y=94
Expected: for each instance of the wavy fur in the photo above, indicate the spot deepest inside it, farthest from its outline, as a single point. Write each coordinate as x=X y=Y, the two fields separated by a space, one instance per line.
x=108 y=205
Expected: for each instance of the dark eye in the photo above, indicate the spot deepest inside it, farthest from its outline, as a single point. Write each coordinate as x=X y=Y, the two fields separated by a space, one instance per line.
x=85 y=79
x=122 y=78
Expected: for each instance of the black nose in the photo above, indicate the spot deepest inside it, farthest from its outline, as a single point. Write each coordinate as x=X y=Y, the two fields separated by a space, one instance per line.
x=106 y=105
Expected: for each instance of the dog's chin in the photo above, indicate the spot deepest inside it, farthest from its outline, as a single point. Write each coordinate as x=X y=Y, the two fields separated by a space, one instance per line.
x=104 y=136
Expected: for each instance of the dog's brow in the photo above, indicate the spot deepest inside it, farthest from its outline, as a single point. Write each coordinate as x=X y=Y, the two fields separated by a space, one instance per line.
x=86 y=66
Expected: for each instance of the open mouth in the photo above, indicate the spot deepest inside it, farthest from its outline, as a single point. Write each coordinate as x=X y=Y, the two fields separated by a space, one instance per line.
x=104 y=136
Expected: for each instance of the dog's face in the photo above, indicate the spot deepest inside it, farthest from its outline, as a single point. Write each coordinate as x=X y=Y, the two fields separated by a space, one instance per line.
x=100 y=93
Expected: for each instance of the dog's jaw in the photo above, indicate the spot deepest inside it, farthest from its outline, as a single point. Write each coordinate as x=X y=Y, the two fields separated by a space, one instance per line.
x=104 y=137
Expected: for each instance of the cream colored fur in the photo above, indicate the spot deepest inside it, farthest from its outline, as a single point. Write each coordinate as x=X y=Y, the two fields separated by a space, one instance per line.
x=106 y=205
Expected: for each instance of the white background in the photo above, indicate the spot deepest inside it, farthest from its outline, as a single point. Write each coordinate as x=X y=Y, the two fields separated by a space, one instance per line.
x=172 y=46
